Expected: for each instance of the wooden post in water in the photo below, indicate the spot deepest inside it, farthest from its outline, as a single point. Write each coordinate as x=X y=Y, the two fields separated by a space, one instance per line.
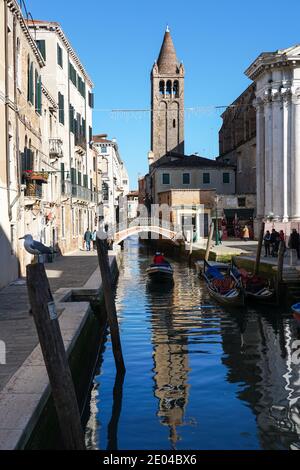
x=210 y=235
x=280 y=262
x=48 y=329
x=259 y=247
x=110 y=303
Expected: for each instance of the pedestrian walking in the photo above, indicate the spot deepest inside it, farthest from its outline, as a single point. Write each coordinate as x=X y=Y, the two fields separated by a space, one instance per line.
x=275 y=239
x=267 y=243
x=94 y=238
x=245 y=233
x=294 y=242
x=87 y=238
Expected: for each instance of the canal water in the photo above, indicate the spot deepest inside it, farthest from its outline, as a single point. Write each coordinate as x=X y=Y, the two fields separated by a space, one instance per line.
x=198 y=376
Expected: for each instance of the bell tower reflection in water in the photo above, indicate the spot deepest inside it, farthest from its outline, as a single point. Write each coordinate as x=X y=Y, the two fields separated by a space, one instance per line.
x=170 y=356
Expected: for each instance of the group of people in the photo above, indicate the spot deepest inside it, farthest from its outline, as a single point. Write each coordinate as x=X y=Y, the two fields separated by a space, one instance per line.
x=272 y=241
x=90 y=239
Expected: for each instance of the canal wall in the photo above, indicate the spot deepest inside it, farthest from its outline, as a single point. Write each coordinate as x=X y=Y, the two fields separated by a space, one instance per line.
x=27 y=414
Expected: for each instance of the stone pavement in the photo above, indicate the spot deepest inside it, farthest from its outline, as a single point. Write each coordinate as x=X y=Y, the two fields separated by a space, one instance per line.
x=17 y=328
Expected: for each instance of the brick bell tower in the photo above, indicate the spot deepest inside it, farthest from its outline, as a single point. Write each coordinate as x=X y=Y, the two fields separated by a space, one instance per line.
x=167 y=103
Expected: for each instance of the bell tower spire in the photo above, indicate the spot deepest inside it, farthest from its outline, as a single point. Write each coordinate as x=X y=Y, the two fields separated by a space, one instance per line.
x=167 y=102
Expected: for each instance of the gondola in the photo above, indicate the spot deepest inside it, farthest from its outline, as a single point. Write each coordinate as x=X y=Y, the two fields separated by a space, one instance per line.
x=224 y=288
x=256 y=288
x=160 y=272
x=296 y=312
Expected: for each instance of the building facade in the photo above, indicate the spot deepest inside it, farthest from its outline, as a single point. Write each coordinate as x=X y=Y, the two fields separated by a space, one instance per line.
x=277 y=100
x=70 y=136
x=115 y=180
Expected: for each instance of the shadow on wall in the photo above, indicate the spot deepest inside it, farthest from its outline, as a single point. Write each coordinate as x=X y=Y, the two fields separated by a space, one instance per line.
x=9 y=264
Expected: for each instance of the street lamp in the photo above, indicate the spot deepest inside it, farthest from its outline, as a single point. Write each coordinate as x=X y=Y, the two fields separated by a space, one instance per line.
x=216 y=223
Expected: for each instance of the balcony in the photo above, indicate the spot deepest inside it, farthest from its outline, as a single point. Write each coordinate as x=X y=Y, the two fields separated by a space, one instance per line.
x=55 y=148
x=33 y=190
x=79 y=192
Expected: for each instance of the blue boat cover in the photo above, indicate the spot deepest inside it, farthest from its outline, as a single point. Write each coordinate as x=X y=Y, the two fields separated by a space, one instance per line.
x=214 y=272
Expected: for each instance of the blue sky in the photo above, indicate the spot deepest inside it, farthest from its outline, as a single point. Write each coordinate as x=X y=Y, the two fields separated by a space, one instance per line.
x=118 y=42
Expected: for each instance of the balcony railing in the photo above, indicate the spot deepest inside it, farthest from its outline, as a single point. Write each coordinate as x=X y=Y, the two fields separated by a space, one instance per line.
x=55 y=148
x=80 y=192
x=33 y=190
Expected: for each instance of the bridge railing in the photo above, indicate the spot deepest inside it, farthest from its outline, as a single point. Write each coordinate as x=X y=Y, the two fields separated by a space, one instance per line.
x=146 y=222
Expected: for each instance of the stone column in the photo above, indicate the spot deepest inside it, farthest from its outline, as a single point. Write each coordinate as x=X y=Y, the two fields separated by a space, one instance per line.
x=277 y=156
x=286 y=155
x=295 y=157
x=268 y=158
x=260 y=160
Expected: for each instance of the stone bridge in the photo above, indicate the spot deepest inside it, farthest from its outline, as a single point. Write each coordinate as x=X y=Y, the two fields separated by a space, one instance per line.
x=168 y=230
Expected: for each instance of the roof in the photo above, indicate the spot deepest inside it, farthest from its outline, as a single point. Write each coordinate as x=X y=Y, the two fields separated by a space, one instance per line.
x=193 y=161
x=53 y=25
x=101 y=139
x=281 y=57
x=167 y=61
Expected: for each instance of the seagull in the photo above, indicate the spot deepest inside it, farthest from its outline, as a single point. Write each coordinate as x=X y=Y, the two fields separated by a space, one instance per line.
x=35 y=248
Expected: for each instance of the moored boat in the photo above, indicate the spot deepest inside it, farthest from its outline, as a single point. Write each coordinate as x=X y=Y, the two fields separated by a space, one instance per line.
x=160 y=272
x=296 y=312
x=256 y=287
x=224 y=288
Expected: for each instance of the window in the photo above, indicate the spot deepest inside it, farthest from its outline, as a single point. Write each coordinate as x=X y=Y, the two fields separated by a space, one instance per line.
x=81 y=86
x=226 y=178
x=105 y=192
x=103 y=149
x=174 y=123
x=72 y=119
x=175 y=88
x=186 y=178
x=90 y=137
x=38 y=93
x=241 y=201
x=59 y=56
x=166 y=178
x=30 y=91
x=125 y=182
x=162 y=87
x=91 y=100
x=206 y=178
x=61 y=108
x=169 y=87
x=72 y=74
x=41 y=44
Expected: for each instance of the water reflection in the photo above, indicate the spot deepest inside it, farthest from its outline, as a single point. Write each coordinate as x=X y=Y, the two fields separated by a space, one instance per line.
x=170 y=356
x=198 y=377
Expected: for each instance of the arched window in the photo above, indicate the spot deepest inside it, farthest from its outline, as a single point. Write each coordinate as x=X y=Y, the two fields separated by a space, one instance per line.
x=169 y=87
x=162 y=87
x=176 y=88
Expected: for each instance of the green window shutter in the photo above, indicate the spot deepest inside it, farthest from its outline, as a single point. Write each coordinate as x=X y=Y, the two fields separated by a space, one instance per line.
x=61 y=108
x=166 y=178
x=85 y=181
x=30 y=84
x=73 y=176
x=40 y=95
x=79 y=178
x=36 y=81
x=91 y=184
x=71 y=119
x=41 y=44
x=59 y=56
x=28 y=79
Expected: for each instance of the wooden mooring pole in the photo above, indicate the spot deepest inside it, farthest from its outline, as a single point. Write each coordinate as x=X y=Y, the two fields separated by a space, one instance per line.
x=110 y=303
x=259 y=247
x=210 y=235
x=48 y=329
x=280 y=261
